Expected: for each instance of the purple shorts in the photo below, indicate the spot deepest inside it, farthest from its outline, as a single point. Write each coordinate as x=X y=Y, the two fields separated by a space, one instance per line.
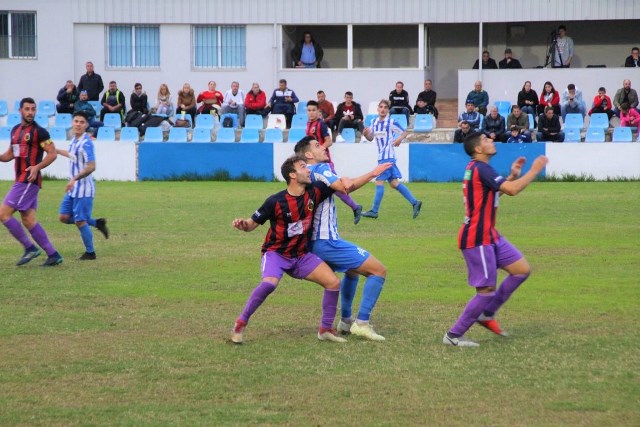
x=22 y=197
x=275 y=265
x=483 y=262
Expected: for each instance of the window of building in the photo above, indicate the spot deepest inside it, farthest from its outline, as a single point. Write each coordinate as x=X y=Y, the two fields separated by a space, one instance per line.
x=133 y=46
x=385 y=46
x=217 y=46
x=17 y=34
x=332 y=39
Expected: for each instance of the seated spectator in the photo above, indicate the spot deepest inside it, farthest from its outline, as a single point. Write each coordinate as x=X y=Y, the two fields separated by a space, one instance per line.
x=528 y=99
x=283 y=101
x=488 y=63
x=83 y=104
x=509 y=62
x=515 y=136
x=470 y=115
x=493 y=125
x=462 y=132
x=138 y=100
x=211 y=100
x=187 y=102
x=164 y=103
x=399 y=100
x=629 y=117
x=633 y=60
x=602 y=103
x=349 y=114
x=326 y=109
x=67 y=97
x=256 y=101
x=307 y=53
x=572 y=102
x=234 y=102
x=520 y=120
x=113 y=101
x=479 y=97
x=625 y=94
x=549 y=98
x=426 y=101
x=549 y=128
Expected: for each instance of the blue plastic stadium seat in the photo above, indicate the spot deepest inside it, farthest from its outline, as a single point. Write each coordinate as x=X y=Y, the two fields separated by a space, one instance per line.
x=201 y=135
x=369 y=118
x=594 y=134
x=47 y=107
x=574 y=120
x=129 y=134
x=423 y=123
x=253 y=121
x=205 y=121
x=42 y=119
x=572 y=135
x=532 y=123
x=106 y=134
x=58 y=134
x=153 y=134
x=302 y=107
x=4 y=108
x=621 y=134
x=599 y=120
x=63 y=120
x=226 y=135
x=296 y=135
x=273 y=135
x=5 y=133
x=278 y=121
x=233 y=116
x=16 y=106
x=96 y=106
x=250 y=135
x=113 y=119
x=349 y=135
x=177 y=134
x=504 y=107
x=13 y=119
x=299 y=121
x=401 y=119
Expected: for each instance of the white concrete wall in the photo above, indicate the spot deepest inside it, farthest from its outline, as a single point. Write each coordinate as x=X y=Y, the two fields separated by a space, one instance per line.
x=602 y=161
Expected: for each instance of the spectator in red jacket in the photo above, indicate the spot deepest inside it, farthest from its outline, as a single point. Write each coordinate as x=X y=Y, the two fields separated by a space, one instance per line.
x=256 y=101
x=602 y=103
x=549 y=98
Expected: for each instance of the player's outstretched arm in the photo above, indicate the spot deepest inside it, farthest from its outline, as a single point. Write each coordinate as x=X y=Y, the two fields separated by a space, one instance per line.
x=63 y=152
x=512 y=188
x=243 y=224
x=7 y=156
x=363 y=179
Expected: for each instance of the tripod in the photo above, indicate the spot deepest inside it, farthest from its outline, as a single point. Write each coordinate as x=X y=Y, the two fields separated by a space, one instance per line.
x=551 y=50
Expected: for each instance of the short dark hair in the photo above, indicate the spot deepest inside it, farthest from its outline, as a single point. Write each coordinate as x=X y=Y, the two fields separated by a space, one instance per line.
x=319 y=92
x=282 y=81
x=348 y=93
x=624 y=106
x=312 y=102
x=303 y=145
x=26 y=101
x=634 y=48
x=112 y=82
x=471 y=142
x=464 y=122
x=602 y=89
x=137 y=85
x=289 y=166
x=562 y=27
x=571 y=86
x=486 y=51
x=514 y=106
x=82 y=114
x=547 y=108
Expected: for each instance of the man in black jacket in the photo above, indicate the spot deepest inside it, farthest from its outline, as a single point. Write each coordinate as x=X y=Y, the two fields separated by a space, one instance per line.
x=307 y=53
x=549 y=128
x=91 y=82
x=509 y=61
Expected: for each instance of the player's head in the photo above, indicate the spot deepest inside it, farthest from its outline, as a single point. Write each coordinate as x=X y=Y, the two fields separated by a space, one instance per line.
x=477 y=144
x=27 y=109
x=312 y=110
x=311 y=150
x=80 y=122
x=383 y=107
x=295 y=167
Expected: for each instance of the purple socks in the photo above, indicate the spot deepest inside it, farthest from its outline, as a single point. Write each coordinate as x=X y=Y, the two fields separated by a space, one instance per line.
x=471 y=312
x=507 y=287
x=347 y=199
x=40 y=236
x=257 y=297
x=16 y=230
x=329 y=307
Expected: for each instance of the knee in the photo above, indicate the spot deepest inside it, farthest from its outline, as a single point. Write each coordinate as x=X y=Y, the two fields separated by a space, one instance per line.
x=334 y=283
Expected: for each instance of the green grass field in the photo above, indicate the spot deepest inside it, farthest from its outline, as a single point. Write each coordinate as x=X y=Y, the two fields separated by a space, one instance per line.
x=141 y=336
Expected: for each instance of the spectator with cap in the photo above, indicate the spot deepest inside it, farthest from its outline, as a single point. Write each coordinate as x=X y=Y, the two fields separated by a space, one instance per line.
x=509 y=62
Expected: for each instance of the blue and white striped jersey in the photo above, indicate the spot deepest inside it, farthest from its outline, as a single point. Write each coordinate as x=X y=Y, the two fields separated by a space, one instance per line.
x=325 y=220
x=383 y=131
x=81 y=152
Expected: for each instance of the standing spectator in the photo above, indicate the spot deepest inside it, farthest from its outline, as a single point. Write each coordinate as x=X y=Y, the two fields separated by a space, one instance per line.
x=520 y=120
x=91 y=82
x=211 y=100
x=426 y=101
x=283 y=101
x=307 y=53
x=629 y=116
x=517 y=137
x=164 y=103
x=549 y=98
x=462 y=132
x=256 y=101
x=138 y=99
x=528 y=99
x=493 y=125
x=113 y=101
x=349 y=114
x=83 y=104
x=602 y=103
x=572 y=102
x=625 y=94
x=488 y=63
x=67 y=96
x=326 y=109
x=399 y=99
x=187 y=101
x=470 y=115
x=234 y=102
x=479 y=97
x=563 y=52
x=509 y=62
x=633 y=60
x=549 y=128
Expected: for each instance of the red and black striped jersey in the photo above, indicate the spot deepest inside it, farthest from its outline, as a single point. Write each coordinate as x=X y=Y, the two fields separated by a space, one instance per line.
x=291 y=219
x=481 y=187
x=27 y=143
x=319 y=130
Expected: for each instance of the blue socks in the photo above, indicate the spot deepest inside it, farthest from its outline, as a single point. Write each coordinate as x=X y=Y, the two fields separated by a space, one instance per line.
x=370 y=294
x=377 y=199
x=87 y=238
x=92 y=222
x=347 y=293
x=406 y=193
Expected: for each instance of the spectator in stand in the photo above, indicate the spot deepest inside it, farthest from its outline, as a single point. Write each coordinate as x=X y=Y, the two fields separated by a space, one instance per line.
x=307 y=53
x=509 y=62
x=629 y=117
x=493 y=125
x=234 y=102
x=83 y=104
x=462 y=132
x=113 y=101
x=520 y=120
x=256 y=101
x=633 y=60
x=549 y=98
x=528 y=99
x=283 y=101
x=399 y=99
x=470 y=116
x=187 y=101
x=164 y=103
x=426 y=101
x=602 y=103
x=326 y=109
x=563 y=52
x=138 y=100
x=91 y=82
x=488 y=63
x=479 y=97
x=211 y=100
x=572 y=102
x=625 y=94
x=67 y=97
x=517 y=137
x=549 y=128
x=349 y=114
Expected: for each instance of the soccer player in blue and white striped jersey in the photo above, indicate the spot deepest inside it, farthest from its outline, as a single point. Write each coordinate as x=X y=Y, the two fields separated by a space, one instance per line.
x=388 y=134
x=77 y=205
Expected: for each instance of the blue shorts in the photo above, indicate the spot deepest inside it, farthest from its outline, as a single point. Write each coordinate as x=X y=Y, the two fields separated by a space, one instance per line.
x=390 y=174
x=339 y=254
x=79 y=208
x=483 y=261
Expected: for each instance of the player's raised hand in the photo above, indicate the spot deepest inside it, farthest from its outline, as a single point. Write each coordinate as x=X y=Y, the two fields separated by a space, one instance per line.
x=516 y=166
x=381 y=168
x=539 y=163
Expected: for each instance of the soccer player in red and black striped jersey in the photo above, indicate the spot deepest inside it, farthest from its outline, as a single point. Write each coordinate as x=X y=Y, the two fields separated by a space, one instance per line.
x=483 y=248
x=29 y=143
